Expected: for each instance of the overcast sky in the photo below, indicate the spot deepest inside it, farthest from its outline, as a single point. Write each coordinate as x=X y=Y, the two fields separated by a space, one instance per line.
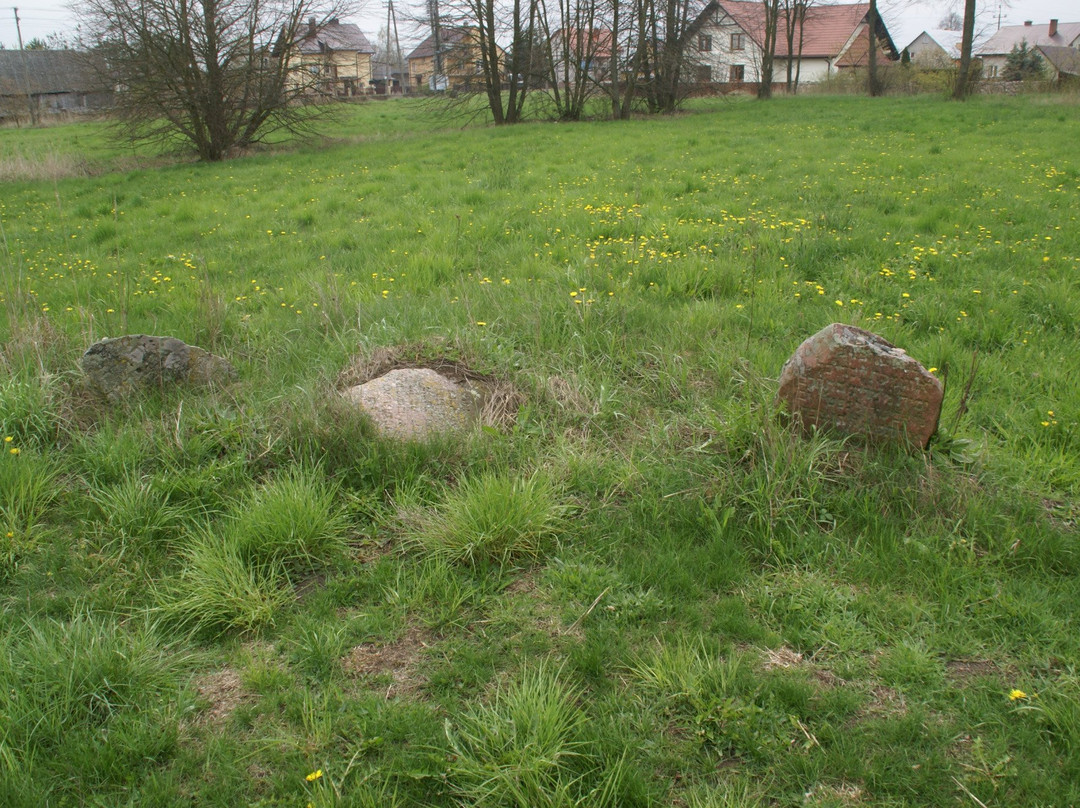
x=905 y=20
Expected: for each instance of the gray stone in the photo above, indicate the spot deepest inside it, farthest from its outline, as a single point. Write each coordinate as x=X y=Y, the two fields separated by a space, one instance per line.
x=417 y=403
x=117 y=367
x=854 y=383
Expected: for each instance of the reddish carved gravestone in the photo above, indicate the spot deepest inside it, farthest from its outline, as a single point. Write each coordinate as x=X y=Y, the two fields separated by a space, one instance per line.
x=854 y=383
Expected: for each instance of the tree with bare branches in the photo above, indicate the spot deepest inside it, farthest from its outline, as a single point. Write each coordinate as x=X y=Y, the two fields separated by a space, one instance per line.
x=768 y=47
x=665 y=29
x=794 y=13
x=579 y=50
x=219 y=75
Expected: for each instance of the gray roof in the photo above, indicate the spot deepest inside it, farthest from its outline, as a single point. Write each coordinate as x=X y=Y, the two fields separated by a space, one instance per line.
x=948 y=41
x=1065 y=60
x=336 y=36
x=449 y=37
x=50 y=71
x=1010 y=36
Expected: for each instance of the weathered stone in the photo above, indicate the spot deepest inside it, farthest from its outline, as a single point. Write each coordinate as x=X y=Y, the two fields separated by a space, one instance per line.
x=854 y=383
x=417 y=403
x=117 y=367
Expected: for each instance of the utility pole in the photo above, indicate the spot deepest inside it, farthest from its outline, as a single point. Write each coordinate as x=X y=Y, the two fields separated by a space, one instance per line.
x=30 y=106
x=391 y=25
x=438 y=81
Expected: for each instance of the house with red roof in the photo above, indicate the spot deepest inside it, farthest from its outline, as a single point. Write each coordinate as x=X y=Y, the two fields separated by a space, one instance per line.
x=577 y=51
x=728 y=43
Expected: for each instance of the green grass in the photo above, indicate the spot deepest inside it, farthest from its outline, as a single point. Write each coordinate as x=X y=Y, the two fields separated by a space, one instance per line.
x=491 y=518
x=637 y=588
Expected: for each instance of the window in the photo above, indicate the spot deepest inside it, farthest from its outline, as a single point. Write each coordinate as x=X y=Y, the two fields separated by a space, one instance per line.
x=704 y=43
x=736 y=73
x=738 y=41
x=991 y=72
x=704 y=74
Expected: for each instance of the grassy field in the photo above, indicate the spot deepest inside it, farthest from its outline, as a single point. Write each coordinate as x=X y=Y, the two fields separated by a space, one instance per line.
x=637 y=588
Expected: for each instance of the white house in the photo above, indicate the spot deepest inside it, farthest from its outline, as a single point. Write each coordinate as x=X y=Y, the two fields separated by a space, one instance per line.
x=833 y=38
x=935 y=48
x=1000 y=45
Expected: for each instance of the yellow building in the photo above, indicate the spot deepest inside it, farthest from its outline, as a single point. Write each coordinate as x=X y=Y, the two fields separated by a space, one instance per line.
x=337 y=58
x=461 y=66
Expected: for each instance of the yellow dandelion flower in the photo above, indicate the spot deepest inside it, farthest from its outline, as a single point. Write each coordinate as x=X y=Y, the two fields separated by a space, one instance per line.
x=313 y=776
x=1016 y=695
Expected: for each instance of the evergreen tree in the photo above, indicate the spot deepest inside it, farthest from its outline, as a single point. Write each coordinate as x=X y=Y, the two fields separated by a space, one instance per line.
x=1022 y=63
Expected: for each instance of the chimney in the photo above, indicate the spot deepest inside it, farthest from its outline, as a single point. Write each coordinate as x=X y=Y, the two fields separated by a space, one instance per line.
x=1053 y=28
x=311 y=26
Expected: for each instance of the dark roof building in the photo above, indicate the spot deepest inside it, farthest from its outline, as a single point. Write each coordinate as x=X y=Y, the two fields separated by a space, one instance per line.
x=56 y=81
x=334 y=35
x=1064 y=63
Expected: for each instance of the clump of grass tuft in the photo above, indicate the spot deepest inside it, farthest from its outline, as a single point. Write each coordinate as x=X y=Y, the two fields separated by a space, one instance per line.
x=292 y=522
x=29 y=410
x=492 y=518
x=27 y=489
x=86 y=702
x=528 y=747
x=218 y=590
x=137 y=514
x=236 y=571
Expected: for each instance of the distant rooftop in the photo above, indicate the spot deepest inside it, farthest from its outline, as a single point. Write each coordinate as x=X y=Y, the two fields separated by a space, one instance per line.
x=1062 y=34
x=949 y=41
x=49 y=71
x=1065 y=60
x=334 y=35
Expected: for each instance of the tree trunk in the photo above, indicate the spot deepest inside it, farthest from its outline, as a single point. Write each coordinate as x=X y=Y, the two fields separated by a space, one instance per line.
x=963 y=76
x=873 y=80
x=768 y=48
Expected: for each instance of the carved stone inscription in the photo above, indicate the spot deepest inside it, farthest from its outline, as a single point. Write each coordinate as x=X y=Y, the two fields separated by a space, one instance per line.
x=855 y=383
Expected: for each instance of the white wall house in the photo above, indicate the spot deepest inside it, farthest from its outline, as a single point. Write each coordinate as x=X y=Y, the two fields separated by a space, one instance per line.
x=724 y=52
x=832 y=39
x=998 y=47
x=935 y=48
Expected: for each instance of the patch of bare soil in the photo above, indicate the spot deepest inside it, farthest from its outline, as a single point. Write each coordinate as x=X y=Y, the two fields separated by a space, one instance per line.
x=833 y=794
x=522 y=585
x=1063 y=515
x=566 y=395
x=783 y=658
x=962 y=670
x=399 y=660
x=526 y=594
x=885 y=702
x=223 y=691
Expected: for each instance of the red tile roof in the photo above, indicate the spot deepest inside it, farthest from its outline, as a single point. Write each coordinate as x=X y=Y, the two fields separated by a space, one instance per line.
x=826 y=30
